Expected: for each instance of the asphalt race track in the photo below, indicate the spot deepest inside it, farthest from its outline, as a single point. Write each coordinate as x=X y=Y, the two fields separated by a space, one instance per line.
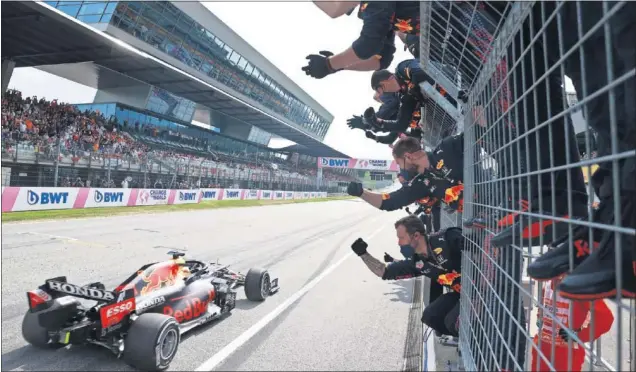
x=344 y=317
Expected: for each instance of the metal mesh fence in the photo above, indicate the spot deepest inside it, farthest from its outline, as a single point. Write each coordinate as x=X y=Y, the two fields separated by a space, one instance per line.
x=548 y=281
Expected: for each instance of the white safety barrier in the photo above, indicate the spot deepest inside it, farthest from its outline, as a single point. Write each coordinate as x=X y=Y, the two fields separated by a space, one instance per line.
x=44 y=198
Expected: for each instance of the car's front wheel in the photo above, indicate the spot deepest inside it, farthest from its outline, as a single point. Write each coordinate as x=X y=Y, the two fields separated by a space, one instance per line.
x=257 y=284
x=152 y=342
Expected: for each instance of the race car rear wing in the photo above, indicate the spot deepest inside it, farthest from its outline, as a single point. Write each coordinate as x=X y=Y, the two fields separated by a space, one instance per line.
x=58 y=287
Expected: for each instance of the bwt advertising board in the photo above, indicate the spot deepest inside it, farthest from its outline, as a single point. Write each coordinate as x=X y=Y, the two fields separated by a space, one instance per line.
x=251 y=194
x=99 y=198
x=267 y=194
x=366 y=164
x=232 y=194
x=152 y=197
x=210 y=194
x=186 y=197
x=16 y=199
x=40 y=198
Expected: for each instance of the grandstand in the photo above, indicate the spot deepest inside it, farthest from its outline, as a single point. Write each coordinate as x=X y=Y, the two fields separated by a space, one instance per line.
x=180 y=106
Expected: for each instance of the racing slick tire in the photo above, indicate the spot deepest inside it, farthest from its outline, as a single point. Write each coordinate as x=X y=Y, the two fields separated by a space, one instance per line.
x=257 y=284
x=152 y=342
x=34 y=333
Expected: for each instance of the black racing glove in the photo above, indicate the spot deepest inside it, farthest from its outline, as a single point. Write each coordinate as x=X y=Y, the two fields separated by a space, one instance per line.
x=413 y=48
x=356 y=122
x=388 y=258
x=318 y=66
x=355 y=189
x=359 y=247
x=369 y=118
x=370 y=135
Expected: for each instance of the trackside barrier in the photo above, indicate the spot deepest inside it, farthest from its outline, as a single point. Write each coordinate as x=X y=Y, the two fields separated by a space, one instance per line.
x=16 y=199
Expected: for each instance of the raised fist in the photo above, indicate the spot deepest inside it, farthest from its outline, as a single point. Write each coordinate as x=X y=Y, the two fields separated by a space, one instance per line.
x=359 y=247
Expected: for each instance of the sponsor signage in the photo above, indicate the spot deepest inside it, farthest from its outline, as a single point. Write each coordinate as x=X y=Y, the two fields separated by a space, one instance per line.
x=152 y=197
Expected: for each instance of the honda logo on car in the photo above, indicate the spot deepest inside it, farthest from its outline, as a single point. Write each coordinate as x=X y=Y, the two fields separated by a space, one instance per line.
x=75 y=290
x=34 y=198
x=187 y=195
x=108 y=197
x=151 y=303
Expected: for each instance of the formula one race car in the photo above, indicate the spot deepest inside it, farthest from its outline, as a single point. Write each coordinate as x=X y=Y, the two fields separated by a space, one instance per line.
x=141 y=320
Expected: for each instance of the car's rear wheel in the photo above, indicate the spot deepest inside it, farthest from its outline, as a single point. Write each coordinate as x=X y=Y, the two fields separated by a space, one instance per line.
x=34 y=333
x=152 y=342
x=257 y=284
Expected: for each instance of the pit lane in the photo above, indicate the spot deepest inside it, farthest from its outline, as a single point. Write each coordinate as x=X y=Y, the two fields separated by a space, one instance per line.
x=349 y=320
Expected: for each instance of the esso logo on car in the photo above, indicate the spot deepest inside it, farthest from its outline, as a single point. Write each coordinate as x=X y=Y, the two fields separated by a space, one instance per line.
x=124 y=307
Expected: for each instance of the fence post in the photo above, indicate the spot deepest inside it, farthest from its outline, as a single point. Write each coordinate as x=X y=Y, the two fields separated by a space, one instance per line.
x=57 y=160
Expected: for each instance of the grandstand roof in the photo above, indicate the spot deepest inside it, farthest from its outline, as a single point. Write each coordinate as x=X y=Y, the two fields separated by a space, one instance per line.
x=35 y=35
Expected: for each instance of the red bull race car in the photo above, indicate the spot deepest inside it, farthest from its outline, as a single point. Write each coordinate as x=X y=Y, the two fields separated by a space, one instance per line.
x=143 y=318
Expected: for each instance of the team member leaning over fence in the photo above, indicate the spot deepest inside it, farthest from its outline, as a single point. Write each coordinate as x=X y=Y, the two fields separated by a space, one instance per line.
x=406 y=81
x=437 y=174
x=437 y=256
x=594 y=274
x=388 y=111
x=375 y=47
x=553 y=335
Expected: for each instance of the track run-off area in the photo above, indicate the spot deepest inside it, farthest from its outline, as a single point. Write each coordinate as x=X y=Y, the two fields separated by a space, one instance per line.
x=331 y=312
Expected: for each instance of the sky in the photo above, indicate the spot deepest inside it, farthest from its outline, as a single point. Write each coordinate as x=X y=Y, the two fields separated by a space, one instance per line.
x=285 y=40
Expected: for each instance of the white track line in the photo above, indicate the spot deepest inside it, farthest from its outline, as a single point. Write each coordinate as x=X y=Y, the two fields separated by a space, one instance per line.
x=229 y=349
x=49 y=235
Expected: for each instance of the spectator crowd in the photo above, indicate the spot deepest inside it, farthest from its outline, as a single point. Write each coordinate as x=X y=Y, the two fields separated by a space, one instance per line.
x=36 y=125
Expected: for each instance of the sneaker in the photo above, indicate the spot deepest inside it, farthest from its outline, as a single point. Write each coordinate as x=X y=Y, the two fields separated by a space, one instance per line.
x=539 y=232
x=556 y=261
x=595 y=277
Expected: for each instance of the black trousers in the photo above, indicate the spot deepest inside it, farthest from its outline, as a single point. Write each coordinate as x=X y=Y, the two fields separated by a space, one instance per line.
x=594 y=57
x=443 y=314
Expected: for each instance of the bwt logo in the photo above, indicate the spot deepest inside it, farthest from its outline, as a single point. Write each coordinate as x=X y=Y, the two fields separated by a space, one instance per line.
x=209 y=194
x=34 y=198
x=187 y=196
x=267 y=194
x=231 y=194
x=335 y=163
x=289 y=195
x=108 y=197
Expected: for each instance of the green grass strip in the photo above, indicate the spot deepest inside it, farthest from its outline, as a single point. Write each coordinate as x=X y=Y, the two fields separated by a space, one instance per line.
x=101 y=212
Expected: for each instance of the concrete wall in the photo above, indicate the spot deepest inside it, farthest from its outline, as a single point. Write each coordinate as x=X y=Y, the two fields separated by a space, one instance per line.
x=233 y=128
x=135 y=95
